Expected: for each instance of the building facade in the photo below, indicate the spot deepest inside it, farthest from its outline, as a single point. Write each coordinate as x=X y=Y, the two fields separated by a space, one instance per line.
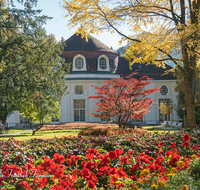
x=92 y=63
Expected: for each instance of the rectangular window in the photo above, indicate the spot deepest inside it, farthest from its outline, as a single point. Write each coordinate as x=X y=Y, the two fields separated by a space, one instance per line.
x=54 y=119
x=24 y=120
x=79 y=110
x=137 y=120
x=79 y=89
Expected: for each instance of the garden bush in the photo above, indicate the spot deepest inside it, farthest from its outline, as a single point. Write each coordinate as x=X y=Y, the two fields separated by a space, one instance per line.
x=130 y=161
x=111 y=131
x=74 y=126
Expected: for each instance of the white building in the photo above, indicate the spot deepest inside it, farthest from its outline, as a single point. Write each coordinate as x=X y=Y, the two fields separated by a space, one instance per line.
x=92 y=64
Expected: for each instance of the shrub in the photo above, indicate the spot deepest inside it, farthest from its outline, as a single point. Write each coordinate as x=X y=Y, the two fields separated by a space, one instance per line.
x=111 y=131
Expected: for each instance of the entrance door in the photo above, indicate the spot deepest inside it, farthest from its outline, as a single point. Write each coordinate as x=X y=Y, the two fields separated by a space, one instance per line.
x=161 y=116
x=79 y=110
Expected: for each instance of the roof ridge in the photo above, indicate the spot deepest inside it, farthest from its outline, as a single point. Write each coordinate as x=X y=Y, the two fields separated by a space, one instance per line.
x=77 y=43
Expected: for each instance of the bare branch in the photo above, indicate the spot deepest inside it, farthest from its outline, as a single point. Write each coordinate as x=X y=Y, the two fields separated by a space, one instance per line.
x=172 y=12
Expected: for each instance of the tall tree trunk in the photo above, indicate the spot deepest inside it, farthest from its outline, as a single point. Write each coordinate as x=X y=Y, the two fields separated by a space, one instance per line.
x=4 y=118
x=189 y=53
x=120 y=125
x=34 y=131
x=190 y=90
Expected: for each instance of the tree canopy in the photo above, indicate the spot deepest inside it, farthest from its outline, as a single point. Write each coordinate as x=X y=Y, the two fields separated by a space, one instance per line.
x=29 y=58
x=123 y=100
x=160 y=31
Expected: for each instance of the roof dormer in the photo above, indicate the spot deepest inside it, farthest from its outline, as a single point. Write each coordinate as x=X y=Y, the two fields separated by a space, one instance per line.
x=79 y=63
x=103 y=63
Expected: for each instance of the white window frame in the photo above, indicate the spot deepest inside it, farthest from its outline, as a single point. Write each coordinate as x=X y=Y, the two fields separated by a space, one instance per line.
x=83 y=96
x=167 y=92
x=104 y=63
x=83 y=89
x=107 y=63
x=165 y=98
x=21 y=118
x=79 y=110
x=55 y=122
x=138 y=121
x=74 y=63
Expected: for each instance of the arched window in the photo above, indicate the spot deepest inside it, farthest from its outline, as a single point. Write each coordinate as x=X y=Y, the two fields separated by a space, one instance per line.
x=79 y=63
x=164 y=90
x=103 y=63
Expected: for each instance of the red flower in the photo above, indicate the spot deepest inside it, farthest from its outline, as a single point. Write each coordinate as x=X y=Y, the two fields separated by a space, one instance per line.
x=172 y=144
x=113 y=178
x=112 y=171
x=91 y=185
x=121 y=173
x=186 y=144
x=92 y=151
x=161 y=144
x=25 y=184
x=195 y=147
x=104 y=160
x=89 y=156
x=186 y=137
x=175 y=157
x=103 y=171
x=59 y=158
x=124 y=160
x=118 y=152
x=168 y=153
x=85 y=173
x=112 y=155
x=133 y=178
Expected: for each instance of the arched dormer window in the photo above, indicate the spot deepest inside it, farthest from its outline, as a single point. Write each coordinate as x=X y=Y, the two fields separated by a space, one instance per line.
x=103 y=63
x=79 y=63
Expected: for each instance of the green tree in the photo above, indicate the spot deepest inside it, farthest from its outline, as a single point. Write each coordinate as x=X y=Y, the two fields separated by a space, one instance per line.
x=44 y=81
x=17 y=28
x=162 y=31
x=30 y=60
x=40 y=109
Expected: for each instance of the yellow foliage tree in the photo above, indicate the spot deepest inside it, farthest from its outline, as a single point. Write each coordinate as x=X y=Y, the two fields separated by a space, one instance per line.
x=162 y=31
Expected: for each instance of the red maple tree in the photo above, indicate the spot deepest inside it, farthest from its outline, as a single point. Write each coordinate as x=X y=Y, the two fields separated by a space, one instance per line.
x=123 y=100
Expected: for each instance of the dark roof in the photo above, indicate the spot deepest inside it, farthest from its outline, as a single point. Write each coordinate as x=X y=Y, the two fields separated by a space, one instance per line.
x=77 y=43
x=150 y=70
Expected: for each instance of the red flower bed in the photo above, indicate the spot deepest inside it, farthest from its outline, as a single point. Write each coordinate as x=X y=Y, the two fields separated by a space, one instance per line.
x=96 y=170
x=114 y=169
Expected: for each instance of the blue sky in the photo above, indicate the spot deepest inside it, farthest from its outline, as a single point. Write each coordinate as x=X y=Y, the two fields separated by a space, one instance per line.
x=58 y=25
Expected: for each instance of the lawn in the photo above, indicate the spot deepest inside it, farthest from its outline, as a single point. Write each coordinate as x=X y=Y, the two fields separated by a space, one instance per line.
x=27 y=134
x=73 y=129
x=158 y=129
